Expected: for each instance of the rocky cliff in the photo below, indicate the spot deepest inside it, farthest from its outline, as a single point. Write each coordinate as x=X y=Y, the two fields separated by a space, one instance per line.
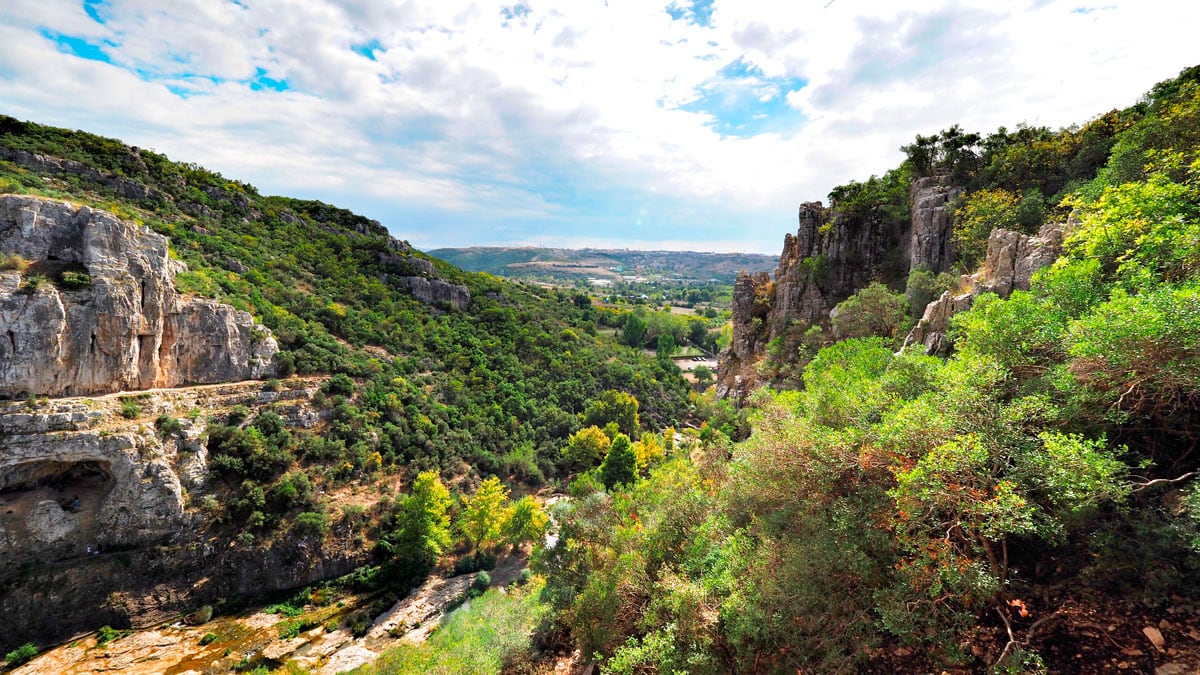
x=1012 y=258
x=832 y=255
x=134 y=549
x=88 y=305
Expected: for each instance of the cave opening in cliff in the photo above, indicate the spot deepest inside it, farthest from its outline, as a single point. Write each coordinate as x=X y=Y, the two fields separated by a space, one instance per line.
x=74 y=485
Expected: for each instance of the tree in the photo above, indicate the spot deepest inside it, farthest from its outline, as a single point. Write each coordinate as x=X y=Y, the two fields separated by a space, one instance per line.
x=648 y=450
x=527 y=521
x=665 y=347
x=703 y=375
x=614 y=406
x=422 y=529
x=484 y=514
x=975 y=218
x=587 y=447
x=872 y=311
x=620 y=466
x=634 y=332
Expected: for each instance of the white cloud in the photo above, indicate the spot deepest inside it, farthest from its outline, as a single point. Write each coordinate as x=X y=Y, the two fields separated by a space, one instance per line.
x=558 y=118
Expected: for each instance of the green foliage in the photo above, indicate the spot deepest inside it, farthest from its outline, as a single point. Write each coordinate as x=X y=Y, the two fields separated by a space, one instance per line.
x=634 y=332
x=167 y=425
x=74 y=280
x=482 y=581
x=923 y=287
x=587 y=448
x=897 y=496
x=421 y=528
x=974 y=219
x=880 y=202
x=874 y=311
x=1141 y=233
x=130 y=409
x=107 y=634
x=620 y=465
x=614 y=406
x=311 y=524
x=209 y=638
x=490 y=636
x=484 y=514
x=21 y=655
x=12 y=261
x=953 y=152
x=527 y=522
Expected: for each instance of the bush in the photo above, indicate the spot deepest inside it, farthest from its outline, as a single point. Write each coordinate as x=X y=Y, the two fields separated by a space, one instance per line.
x=872 y=311
x=474 y=563
x=74 y=281
x=167 y=425
x=482 y=581
x=22 y=654
x=311 y=523
x=12 y=261
x=208 y=639
x=339 y=385
x=33 y=283
x=130 y=409
x=107 y=634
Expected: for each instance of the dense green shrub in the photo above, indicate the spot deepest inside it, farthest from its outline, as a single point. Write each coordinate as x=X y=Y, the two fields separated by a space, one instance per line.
x=21 y=655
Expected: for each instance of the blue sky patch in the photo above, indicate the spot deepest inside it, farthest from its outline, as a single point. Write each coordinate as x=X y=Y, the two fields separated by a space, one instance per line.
x=367 y=49
x=743 y=102
x=80 y=47
x=261 y=82
x=94 y=9
x=698 y=12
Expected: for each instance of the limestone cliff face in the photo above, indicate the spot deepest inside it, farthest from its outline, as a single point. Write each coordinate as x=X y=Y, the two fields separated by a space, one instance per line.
x=1012 y=258
x=135 y=549
x=830 y=257
x=125 y=329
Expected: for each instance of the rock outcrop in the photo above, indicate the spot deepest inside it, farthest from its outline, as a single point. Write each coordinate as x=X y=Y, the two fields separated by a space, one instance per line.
x=100 y=511
x=831 y=256
x=1012 y=258
x=436 y=291
x=95 y=309
x=930 y=244
x=128 y=477
x=419 y=277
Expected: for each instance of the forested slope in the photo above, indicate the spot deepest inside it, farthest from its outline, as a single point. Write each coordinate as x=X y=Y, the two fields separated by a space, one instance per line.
x=425 y=368
x=1029 y=502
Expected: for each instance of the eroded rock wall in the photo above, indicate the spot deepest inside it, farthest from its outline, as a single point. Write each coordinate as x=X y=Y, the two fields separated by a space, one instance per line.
x=126 y=328
x=1012 y=258
x=135 y=548
x=831 y=256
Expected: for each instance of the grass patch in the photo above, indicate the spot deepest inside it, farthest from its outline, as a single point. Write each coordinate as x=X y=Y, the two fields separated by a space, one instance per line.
x=480 y=638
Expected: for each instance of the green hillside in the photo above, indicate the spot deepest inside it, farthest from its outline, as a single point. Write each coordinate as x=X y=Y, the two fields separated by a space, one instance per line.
x=495 y=386
x=574 y=264
x=1029 y=504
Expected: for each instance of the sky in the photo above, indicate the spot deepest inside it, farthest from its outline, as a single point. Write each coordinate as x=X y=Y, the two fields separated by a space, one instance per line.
x=645 y=124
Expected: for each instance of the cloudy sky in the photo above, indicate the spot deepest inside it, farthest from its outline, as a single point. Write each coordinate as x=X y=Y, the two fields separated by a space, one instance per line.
x=680 y=124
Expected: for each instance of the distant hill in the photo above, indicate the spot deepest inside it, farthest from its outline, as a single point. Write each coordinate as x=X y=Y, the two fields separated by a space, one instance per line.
x=569 y=264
